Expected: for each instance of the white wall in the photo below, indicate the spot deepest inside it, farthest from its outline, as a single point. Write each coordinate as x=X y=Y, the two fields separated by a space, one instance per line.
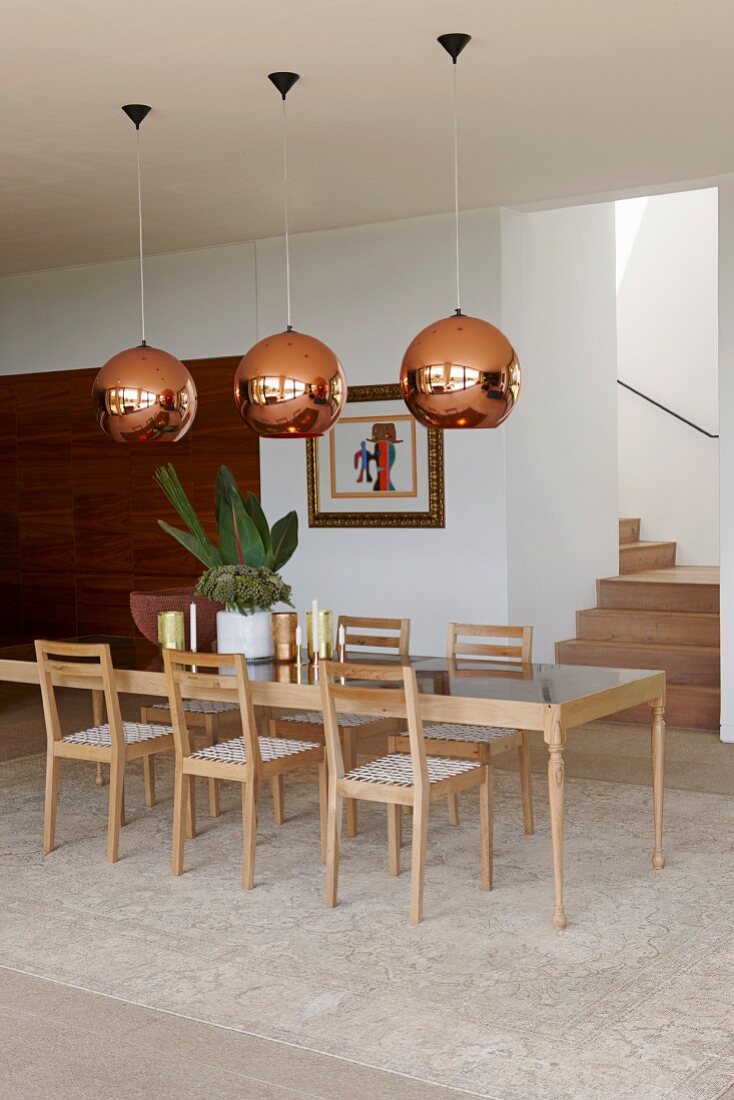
x=667 y=338
x=366 y=292
x=559 y=306
x=726 y=448
x=198 y=304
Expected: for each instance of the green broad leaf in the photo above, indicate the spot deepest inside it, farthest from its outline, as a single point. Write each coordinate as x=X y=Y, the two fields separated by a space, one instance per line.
x=204 y=551
x=284 y=539
x=168 y=481
x=256 y=514
x=250 y=544
x=228 y=545
x=239 y=540
x=226 y=485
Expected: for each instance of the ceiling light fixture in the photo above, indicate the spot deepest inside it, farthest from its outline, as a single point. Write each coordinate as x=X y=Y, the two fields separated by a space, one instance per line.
x=289 y=385
x=460 y=372
x=143 y=394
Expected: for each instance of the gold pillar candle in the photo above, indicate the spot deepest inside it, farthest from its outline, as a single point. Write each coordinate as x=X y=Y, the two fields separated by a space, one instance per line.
x=325 y=635
x=171 y=630
x=284 y=625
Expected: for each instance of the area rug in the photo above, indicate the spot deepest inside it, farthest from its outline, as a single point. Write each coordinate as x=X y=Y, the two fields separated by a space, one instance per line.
x=634 y=1000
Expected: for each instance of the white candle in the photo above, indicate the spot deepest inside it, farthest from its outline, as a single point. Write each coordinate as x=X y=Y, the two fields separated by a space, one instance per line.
x=298 y=643
x=342 y=636
x=315 y=627
x=192 y=627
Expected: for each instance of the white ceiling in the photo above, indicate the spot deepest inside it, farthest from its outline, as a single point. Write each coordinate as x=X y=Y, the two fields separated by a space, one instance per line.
x=558 y=98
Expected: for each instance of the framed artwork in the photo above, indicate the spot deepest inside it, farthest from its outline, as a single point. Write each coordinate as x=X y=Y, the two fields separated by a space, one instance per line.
x=377 y=467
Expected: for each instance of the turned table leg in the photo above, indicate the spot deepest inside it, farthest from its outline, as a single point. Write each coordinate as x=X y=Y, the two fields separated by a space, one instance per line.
x=657 y=738
x=556 y=791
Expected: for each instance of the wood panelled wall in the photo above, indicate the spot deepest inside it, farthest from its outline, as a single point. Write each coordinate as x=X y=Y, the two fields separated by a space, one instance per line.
x=78 y=513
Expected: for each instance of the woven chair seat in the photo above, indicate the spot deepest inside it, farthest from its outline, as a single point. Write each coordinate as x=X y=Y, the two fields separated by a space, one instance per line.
x=200 y=706
x=397 y=769
x=315 y=718
x=454 y=731
x=134 y=732
x=235 y=752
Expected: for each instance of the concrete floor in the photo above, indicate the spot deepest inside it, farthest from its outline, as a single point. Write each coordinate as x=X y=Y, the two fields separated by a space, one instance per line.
x=61 y=1043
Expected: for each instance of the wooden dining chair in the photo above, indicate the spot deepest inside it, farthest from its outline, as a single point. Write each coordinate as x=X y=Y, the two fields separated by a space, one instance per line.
x=399 y=780
x=504 y=647
x=209 y=719
x=113 y=742
x=248 y=759
x=388 y=636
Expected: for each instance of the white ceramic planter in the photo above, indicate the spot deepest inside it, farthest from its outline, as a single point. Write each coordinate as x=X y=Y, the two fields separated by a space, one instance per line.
x=248 y=634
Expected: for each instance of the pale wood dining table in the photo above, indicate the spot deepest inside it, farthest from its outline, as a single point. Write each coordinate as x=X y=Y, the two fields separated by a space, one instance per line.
x=551 y=699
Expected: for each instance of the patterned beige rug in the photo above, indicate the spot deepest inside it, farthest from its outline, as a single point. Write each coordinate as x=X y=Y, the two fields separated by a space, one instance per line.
x=634 y=1000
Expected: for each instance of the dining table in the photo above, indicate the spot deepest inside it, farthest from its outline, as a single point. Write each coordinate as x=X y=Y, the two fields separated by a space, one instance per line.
x=548 y=698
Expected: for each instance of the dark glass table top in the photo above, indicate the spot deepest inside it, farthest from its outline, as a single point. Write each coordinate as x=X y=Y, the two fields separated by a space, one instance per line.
x=470 y=678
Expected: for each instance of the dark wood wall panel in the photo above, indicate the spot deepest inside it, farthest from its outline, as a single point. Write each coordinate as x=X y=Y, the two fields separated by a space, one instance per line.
x=10 y=589
x=101 y=482
x=9 y=511
x=78 y=513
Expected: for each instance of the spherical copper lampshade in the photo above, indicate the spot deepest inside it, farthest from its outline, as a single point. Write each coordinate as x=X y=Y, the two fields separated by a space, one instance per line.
x=460 y=372
x=144 y=395
x=290 y=385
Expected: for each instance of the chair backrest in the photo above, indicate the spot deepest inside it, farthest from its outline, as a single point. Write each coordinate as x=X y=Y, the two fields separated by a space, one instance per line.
x=511 y=645
x=73 y=664
x=368 y=633
x=193 y=676
x=400 y=689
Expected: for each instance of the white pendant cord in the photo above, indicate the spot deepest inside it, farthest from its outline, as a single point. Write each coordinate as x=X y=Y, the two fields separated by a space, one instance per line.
x=456 y=194
x=140 y=239
x=285 y=222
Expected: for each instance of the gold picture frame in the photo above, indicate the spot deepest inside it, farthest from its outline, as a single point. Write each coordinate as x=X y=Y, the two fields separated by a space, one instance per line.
x=426 y=486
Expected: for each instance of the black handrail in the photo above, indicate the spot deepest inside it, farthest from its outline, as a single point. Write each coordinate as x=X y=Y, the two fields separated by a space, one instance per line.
x=657 y=405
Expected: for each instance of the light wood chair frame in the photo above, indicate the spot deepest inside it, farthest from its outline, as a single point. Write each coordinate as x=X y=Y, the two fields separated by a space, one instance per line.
x=213 y=727
x=360 y=632
x=513 y=646
x=336 y=696
x=183 y=682
x=93 y=663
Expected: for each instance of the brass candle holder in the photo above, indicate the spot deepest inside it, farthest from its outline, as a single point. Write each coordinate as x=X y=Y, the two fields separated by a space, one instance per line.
x=325 y=629
x=284 y=625
x=171 y=632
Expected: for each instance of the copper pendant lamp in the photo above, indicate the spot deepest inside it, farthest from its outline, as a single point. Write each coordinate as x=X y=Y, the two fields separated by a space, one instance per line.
x=460 y=372
x=289 y=385
x=143 y=394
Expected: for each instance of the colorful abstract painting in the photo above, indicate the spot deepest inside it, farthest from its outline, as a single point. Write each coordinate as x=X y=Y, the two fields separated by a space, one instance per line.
x=376 y=467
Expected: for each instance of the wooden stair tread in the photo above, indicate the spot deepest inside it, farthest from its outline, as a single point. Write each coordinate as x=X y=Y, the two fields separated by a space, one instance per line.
x=639 y=557
x=593 y=643
x=656 y=615
x=645 y=544
x=645 y=613
x=714 y=690
x=674 y=574
x=682 y=664
x=629 y=530
x=687 y=706
x=652 y=625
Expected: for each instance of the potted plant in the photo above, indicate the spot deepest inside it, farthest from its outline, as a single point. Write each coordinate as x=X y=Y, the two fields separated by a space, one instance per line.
x=243 y=566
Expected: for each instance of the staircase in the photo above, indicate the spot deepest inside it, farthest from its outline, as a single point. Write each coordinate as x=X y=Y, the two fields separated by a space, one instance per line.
x=656 y=614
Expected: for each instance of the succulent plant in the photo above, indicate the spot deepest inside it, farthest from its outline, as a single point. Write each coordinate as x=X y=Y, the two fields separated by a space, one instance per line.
x=244 y=588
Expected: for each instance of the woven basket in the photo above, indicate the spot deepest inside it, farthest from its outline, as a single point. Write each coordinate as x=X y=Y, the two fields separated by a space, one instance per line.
x=145 y=607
